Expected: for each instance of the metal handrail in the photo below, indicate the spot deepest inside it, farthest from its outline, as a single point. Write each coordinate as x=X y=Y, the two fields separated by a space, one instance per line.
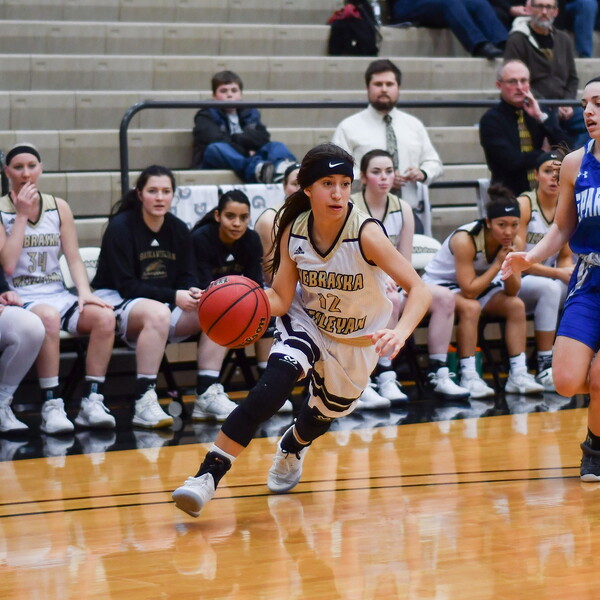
x=290 y=104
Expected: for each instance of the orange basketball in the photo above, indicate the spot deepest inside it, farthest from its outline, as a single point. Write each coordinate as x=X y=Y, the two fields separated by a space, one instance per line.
x=234 y=311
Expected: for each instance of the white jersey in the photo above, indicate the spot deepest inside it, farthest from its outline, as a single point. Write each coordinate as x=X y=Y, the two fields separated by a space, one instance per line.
x=537 y=227
x=393 y=219
x=342 y=292
x=442 y=268
x=37 y=272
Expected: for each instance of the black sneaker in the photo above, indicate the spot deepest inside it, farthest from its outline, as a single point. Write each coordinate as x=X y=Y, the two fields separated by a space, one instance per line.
x=487 y=50
x=590 y=464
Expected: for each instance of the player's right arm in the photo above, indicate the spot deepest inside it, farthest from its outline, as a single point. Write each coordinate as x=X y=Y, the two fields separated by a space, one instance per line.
x=264 y=226
x=12 y=245
x=562 y=272
x=282 y=290
x=564 y=224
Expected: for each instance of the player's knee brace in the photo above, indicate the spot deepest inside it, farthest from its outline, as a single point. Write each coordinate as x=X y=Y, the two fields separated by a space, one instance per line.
x=311 y=424
x=264 y=399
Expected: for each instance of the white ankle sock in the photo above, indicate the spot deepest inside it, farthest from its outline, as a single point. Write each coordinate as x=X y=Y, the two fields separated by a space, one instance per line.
x=215 y=448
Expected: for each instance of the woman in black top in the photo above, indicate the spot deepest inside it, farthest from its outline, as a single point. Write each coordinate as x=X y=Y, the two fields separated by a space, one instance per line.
x=223 y=245
x=146 y=270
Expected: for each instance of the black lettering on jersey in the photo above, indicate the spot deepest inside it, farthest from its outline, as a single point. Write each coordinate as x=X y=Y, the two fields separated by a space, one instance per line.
x=26 y=280
x=336 y=325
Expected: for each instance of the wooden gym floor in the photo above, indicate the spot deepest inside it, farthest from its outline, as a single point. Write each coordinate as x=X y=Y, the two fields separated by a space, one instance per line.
x=425 y=501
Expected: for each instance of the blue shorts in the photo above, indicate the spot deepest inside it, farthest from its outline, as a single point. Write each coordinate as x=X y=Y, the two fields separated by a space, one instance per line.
x=581 y=319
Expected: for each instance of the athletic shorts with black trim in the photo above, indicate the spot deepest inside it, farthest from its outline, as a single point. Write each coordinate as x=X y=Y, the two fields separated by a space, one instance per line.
x=64 y=302
x=338 y=372
x=485 y=296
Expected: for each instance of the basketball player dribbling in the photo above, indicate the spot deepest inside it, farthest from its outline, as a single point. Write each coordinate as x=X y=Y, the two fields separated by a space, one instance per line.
x=575 y=364
x=334 y=327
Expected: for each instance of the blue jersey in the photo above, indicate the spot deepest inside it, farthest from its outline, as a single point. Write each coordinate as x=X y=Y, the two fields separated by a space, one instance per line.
x=581 y=319
x=586 y=237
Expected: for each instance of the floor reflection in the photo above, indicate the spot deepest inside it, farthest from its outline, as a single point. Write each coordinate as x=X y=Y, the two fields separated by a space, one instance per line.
x=468 y=507
x=34 y=444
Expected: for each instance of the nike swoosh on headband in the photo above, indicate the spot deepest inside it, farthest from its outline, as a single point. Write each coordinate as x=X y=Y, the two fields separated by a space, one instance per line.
x=335 y=165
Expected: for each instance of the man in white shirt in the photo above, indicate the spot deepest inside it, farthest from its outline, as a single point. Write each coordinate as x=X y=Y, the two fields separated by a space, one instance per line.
x=405 y=137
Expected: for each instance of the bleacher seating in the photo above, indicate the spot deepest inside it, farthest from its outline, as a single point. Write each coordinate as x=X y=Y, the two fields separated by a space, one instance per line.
x=71 y=68
x=69 y=150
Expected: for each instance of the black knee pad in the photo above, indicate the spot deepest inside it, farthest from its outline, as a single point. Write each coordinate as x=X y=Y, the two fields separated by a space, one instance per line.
x=311 y=424
x=264 y=399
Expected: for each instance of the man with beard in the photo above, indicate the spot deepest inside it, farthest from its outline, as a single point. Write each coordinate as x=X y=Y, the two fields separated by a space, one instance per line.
x=382 y=126
x=549 y=54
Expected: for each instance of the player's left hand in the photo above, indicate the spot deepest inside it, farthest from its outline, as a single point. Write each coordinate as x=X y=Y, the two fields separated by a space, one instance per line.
x=388 y=342
x=89 y=298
